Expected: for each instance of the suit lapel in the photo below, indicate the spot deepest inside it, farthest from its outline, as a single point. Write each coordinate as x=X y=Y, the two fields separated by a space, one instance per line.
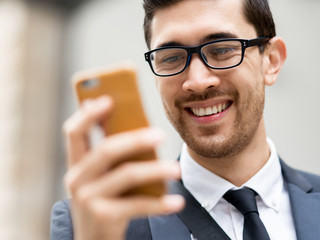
x=196 y=218
x=193 y=219
x=169 y=228
x=305 y=204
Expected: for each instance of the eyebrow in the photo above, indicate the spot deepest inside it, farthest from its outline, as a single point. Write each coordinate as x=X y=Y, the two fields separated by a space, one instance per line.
x=216 y=36
x=208 y=38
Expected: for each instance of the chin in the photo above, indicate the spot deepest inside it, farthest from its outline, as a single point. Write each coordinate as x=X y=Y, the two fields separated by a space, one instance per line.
x=214 y=145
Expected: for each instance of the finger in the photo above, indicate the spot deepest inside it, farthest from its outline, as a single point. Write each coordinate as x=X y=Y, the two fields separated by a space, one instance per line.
x=136 y=206
x=128 y=177
x=77 y=127
x=111 y=151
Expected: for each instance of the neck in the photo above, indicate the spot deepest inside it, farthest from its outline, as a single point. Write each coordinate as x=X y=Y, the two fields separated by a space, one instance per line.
x=239 y=168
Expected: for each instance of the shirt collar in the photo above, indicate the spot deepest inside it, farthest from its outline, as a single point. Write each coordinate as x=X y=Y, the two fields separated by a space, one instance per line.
x=268 y=182
x=208 y=188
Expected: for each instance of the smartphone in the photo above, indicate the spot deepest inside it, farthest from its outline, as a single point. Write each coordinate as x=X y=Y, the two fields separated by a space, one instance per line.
x=119 y=82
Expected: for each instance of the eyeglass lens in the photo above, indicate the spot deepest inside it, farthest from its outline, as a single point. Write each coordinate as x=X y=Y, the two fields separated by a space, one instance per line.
x=217 y=55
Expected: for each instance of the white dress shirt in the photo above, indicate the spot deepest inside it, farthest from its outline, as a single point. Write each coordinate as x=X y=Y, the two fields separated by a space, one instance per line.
x=273 y=200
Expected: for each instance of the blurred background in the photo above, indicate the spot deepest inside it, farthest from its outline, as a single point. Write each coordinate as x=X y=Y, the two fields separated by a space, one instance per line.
x=44 y=42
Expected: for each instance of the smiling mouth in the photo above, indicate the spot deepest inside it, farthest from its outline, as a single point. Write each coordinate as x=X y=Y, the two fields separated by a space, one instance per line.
x=209 y=111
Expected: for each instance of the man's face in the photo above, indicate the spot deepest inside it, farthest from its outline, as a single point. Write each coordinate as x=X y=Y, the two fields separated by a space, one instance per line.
x=238 y=93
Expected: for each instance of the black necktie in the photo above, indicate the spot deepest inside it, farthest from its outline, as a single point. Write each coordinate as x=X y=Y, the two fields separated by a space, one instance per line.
x=245 y=201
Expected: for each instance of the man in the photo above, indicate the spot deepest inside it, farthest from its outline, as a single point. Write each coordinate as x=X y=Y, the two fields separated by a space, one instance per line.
x=212 y=60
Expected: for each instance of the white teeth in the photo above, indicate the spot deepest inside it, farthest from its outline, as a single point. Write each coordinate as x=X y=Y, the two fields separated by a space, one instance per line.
x=208 y=111
x=214 y=110
x=200 y=112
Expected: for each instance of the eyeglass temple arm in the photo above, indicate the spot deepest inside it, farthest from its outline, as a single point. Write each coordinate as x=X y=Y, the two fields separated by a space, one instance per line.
x=257 y=41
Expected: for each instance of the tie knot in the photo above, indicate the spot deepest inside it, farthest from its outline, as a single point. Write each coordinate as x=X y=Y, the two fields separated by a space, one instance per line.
x=243 y=199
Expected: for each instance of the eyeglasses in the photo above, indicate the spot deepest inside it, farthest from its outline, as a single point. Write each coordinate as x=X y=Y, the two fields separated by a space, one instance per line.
x=219 y=54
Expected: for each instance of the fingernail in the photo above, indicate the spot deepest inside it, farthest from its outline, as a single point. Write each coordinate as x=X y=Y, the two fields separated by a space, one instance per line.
x=173 y=203
x=98 y=104
x=156 y=135
x=88 y=103
x=103 y=102
x=174 y=169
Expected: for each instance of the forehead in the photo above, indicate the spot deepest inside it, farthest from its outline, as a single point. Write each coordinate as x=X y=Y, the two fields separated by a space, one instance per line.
x=189 y=22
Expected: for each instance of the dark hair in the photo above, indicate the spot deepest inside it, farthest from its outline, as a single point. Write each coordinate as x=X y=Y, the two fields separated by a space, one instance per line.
x=257 y=13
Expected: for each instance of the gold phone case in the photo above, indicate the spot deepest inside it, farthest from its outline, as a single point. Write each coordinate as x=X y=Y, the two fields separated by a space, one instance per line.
x=119 y=82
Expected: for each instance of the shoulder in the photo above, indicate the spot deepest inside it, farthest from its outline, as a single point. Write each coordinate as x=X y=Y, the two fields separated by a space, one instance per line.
x=61 y=223
x=139 y=229
x=313 y=179
x=307 y=181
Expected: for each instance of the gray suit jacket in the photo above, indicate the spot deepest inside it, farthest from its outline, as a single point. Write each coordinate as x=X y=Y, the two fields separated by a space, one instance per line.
x=304 y=192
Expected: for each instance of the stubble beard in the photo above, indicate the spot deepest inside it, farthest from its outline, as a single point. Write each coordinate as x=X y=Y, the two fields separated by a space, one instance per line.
x=212 y=145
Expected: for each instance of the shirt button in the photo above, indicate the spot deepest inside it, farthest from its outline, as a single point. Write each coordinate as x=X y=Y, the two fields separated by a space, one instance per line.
x=274 y=203
x=204 y=204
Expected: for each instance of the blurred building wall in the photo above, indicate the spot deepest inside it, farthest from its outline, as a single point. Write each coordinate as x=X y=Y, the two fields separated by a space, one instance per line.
x=29 y=77
x=292 y=110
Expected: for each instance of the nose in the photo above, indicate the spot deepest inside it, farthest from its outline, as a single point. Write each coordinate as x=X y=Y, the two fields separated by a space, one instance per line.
x=199 y=76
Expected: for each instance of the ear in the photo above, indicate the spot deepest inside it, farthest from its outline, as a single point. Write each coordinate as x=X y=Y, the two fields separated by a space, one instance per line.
x=274 y=57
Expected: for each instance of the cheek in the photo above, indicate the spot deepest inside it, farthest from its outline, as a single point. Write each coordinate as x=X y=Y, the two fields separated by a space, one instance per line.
x=165 y=93
x=168 y=90
x=161 y=88
x=158 y=81
x=251 y=74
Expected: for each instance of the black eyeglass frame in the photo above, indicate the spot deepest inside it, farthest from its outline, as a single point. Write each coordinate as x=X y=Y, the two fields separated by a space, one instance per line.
x=245 y=43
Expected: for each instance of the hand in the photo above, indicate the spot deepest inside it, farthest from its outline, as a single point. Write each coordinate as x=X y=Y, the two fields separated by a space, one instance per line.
x=100 y=210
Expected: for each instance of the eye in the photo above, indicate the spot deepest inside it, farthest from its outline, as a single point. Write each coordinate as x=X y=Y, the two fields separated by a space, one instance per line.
x=221 y=51
x=169 y=56
x=172 y=59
